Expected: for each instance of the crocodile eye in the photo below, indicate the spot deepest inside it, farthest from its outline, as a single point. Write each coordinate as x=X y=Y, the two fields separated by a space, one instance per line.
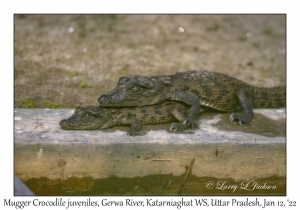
x=135 y=88
x=86 y=115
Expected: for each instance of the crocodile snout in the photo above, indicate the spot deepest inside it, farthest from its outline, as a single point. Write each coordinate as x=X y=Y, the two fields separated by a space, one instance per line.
x=63 y=123
x=103 y=100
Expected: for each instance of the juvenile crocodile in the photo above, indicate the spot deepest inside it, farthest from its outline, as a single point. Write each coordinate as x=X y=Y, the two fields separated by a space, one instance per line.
x=92 y=118
x=196 y=88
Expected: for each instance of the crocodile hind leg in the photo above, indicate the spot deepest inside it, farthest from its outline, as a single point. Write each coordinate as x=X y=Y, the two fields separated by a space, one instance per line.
x=246 y=116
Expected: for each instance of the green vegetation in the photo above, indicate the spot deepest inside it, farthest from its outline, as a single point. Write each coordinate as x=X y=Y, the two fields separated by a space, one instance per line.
x=261 y=79
x=123 y=69
x=213 y=27
x=51 y=105
x=267 y=30
x=131 y=45
x=31 y=103
x=27 y=103
x=69 y=74
x=186 y=65
x=85 y=84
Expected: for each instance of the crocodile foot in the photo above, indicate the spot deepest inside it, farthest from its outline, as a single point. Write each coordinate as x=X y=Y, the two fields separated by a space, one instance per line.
x=132 y=133
x=242 y=118
x=178 y=127
x=190 y=121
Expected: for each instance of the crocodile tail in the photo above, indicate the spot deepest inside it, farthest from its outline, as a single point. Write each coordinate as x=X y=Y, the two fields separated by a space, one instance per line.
x=274 y=97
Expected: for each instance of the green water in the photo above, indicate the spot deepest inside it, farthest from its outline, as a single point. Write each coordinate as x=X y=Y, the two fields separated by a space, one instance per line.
x=166 y=184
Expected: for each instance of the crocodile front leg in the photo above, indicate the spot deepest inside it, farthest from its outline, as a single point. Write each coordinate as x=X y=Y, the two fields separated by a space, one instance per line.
x=244 y=97
x=178 y=112
x=134 y=123
x=190 y=99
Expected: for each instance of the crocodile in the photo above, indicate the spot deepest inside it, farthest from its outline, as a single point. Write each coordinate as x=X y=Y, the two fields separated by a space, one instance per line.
x=198 y=89
x=95 y=117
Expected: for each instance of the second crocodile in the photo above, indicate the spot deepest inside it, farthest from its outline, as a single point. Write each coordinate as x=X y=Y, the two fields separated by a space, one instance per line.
x=92 y=117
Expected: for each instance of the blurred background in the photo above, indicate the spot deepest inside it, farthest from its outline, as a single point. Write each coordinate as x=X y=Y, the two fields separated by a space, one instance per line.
x=64 y=61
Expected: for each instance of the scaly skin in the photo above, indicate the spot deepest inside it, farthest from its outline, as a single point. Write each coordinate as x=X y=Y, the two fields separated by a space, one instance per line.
x=197 y=89
x=91 y=117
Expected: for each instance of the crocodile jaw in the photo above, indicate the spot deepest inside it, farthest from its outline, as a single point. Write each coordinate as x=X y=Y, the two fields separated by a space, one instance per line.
x=67 y=125
x=105 y=101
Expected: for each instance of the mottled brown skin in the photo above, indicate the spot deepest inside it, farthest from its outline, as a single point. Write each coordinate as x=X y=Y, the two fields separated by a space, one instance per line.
x=197 y=89
x=92 y=118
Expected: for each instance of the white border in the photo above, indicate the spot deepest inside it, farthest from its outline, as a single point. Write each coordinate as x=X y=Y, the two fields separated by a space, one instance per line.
x=154 y=6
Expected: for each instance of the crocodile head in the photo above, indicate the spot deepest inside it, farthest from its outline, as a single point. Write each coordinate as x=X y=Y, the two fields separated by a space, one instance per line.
x=86 y=118
x=135 y=91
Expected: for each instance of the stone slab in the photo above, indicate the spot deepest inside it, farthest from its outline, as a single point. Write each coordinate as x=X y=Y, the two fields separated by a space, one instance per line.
x=43 y=149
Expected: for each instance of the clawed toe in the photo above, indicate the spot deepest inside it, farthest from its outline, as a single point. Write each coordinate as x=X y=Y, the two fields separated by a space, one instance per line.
x=234 y=117
x=242 y=118
x=131 y=133
x=190 y=122
x=177 y=127
x=180 y=127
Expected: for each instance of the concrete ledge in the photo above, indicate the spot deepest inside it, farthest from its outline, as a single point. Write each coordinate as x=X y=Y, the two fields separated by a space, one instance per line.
x=43 y=149
x=41 y=126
